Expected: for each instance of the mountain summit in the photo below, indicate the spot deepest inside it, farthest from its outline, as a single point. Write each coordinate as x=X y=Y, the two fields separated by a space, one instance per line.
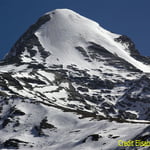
x=61 y=32
x=69 y=84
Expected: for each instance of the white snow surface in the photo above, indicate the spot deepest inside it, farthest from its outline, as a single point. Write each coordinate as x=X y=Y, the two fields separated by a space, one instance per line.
x=67 y=30
x=70 y=130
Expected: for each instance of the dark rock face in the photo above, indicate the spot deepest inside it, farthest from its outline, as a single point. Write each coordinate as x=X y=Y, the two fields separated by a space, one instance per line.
x=26 y=41
x=13 y=143
x=11 y=81
x=138 y=94
x=133 y=51
x=144 y=135
x=10 y=117
x=95 y=49
x=94 y=137
x=99 y=53
x=38 y=130
x=6 y=122
x=83 y=52
x=129 y=43
x=16 y=112
x=45 y=125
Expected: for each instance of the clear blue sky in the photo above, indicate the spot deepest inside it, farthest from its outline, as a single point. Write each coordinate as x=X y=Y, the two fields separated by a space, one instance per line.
x=129 y=17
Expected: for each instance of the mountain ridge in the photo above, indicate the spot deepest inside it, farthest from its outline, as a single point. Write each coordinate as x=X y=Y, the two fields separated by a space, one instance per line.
x=61 y=22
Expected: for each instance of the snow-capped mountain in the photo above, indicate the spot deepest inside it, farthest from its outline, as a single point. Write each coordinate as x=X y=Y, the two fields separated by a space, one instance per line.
x=69 y=84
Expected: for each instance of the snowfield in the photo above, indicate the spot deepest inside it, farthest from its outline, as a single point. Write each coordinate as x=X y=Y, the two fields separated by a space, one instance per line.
x=68 y=130
x=67 y=29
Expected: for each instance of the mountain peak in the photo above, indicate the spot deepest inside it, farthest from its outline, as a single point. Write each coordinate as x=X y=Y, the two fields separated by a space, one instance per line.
x=63 y=11
x=58 y=35
x=67 y=74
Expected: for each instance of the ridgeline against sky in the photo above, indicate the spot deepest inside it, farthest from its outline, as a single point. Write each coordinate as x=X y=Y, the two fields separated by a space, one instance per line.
x=129 y=18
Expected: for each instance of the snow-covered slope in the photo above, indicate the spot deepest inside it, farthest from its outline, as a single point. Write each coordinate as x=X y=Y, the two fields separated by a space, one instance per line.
x=66 y=75
x=66 y=30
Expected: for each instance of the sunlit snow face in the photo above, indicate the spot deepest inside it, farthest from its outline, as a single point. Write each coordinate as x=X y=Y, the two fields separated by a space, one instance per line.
x=67 y=30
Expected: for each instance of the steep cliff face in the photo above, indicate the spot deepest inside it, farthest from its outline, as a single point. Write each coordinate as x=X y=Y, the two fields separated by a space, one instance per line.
x=67 y=75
